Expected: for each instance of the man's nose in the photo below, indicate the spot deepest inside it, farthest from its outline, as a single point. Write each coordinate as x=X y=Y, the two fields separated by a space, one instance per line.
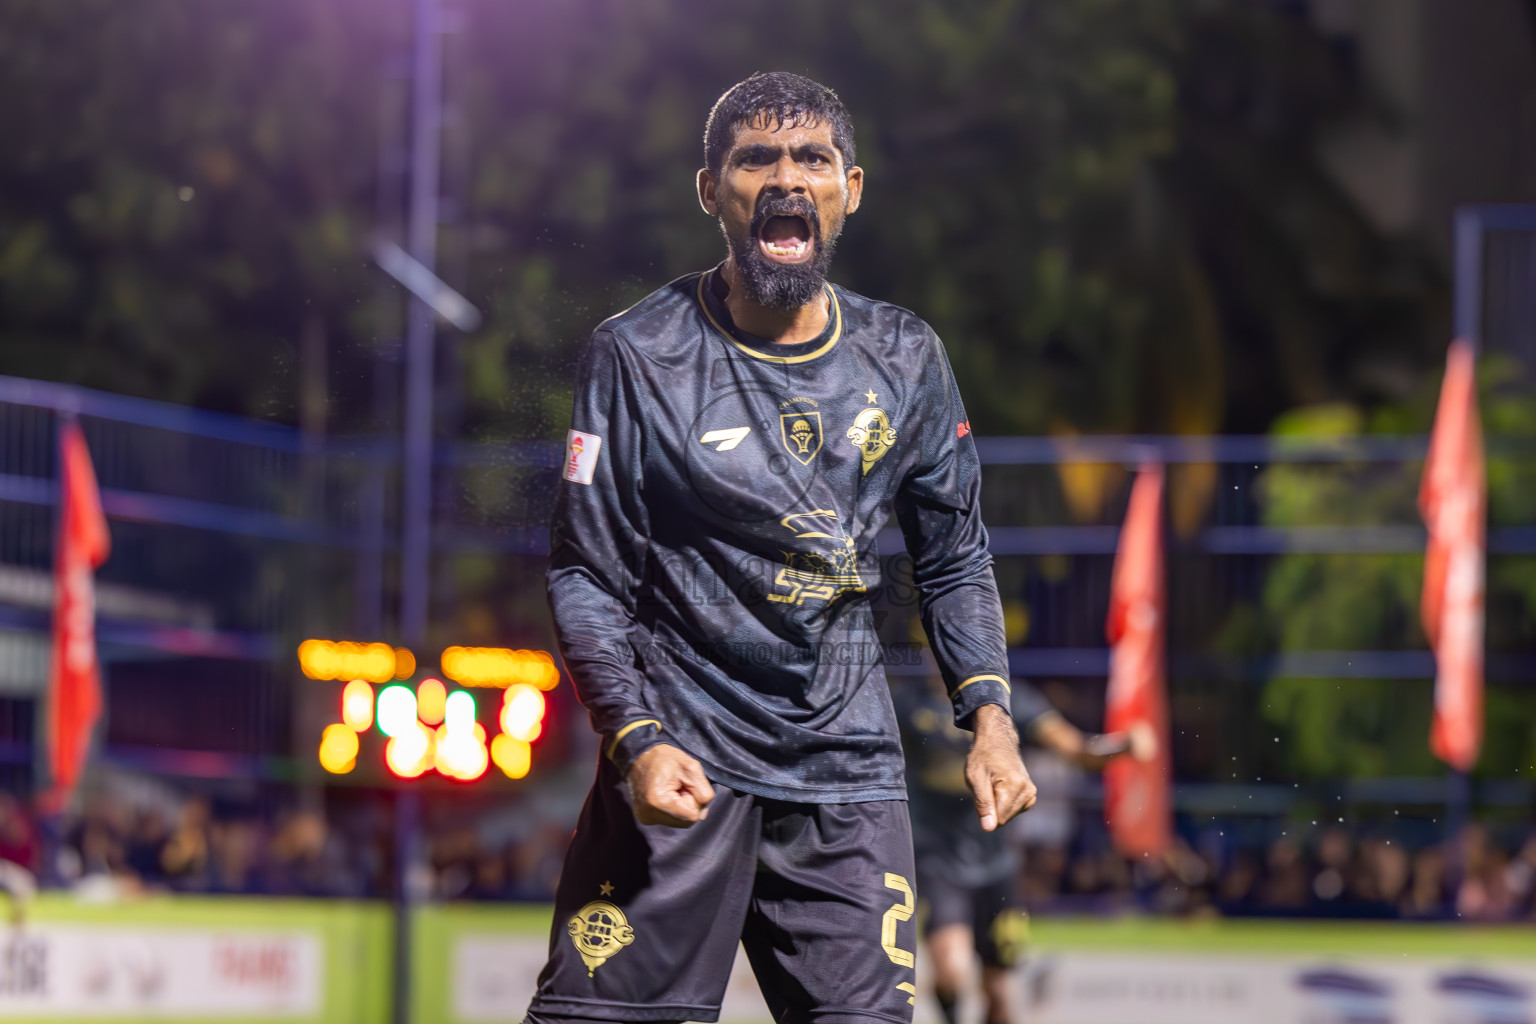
x=788 y=176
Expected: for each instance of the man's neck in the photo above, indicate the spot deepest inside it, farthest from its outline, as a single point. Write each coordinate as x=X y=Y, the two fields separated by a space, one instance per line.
x=781 y=326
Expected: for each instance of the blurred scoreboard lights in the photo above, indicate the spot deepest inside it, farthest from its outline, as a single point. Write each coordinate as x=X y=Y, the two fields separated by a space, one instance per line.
x=500 y=667
x=373 y=663
x=429 y=727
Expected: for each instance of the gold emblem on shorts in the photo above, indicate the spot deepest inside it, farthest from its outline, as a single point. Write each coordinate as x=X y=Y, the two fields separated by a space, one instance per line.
x=599 y=930
x=872 y=432
x=1010 y=933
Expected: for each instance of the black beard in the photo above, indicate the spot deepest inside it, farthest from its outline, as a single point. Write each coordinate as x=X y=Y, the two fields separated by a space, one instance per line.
x=783 y=286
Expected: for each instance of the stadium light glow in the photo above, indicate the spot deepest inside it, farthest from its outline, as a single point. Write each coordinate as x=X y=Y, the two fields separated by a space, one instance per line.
x=410 y=753
x=338 y=749
x=460 y=752
x=431 y=698
x=397 y=710
x=459 y=712
x=513 y=757
x=357 y=705
x=522 y=713
x=500 y=667
x=430 y=727
x=376 y=663
x=405 y=663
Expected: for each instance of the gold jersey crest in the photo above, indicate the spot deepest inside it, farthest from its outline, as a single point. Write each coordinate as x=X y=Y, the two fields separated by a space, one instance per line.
x=599 y=930
x=872 y=432
x=802 y=434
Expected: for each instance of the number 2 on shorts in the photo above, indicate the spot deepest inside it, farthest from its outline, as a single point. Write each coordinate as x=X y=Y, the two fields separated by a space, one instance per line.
x=898 y=913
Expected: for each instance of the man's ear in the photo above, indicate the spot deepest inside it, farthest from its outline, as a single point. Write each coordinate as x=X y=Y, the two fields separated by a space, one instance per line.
x=706 y=185
x=855 y=188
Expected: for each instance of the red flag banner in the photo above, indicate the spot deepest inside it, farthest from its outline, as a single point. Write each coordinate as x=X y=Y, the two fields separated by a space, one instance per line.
x=1137 y=798
x=74 y=675
x=1453 y=499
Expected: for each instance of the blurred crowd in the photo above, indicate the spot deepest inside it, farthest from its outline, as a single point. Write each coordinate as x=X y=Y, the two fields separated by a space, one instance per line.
x=516 y=855
x=113 y=848
x=1332 y=875
x=112 y=845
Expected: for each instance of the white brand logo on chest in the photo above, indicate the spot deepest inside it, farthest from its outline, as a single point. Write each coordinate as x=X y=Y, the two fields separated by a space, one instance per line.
x=727 y=439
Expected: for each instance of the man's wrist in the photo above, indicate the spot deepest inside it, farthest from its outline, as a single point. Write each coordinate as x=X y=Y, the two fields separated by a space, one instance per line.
x=634 y=739
x=976 y=692
x=641 y=761
x=991 y=716
x=994 y=723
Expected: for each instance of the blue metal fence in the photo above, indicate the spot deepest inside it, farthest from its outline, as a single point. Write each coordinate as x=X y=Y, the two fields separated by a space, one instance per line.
x=233 y=539
x=226 y=533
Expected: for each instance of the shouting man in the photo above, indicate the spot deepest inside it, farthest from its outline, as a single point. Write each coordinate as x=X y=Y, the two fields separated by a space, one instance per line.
x=739 y=438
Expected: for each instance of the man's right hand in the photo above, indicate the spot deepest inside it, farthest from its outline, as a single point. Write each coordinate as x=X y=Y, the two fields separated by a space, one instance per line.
x=667 y=787
x=995 y=771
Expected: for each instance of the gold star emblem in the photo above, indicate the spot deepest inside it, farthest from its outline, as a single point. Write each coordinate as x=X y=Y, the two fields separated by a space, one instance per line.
x=606 y=888
x=870 y=394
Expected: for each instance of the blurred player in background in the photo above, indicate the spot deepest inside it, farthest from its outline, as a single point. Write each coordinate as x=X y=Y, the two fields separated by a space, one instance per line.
x=965 y=875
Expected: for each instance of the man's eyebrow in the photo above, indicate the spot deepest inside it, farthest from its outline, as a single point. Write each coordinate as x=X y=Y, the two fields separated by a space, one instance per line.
x=820 y=148
x=759 y=152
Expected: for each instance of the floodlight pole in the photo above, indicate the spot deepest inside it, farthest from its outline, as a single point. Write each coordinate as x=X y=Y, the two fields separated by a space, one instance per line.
x=1467 y=318
x=421 y=326
x=416 y=448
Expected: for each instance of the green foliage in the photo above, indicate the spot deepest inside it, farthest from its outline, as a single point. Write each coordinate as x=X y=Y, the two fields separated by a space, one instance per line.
x=181 y=184
x=1030 y=120
x=1351 y=728
x=1509 y=740
x=1371 y=601
x=1112 y=210
x=1334 y=601
x=1109 y=208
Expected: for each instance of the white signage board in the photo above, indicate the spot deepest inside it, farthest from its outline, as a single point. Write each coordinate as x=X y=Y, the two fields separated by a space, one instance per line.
x=1203 y=989
x=168 y=972
x=494 y=978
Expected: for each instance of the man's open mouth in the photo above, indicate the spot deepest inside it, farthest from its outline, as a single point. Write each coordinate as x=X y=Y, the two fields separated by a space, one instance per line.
x=785 y=239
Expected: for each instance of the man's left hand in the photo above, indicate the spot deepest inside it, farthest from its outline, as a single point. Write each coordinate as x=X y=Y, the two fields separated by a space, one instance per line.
x=995 y=771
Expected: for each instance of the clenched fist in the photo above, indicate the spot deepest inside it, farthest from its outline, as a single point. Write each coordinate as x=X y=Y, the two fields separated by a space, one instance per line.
x=667 y=787
x=995 y=771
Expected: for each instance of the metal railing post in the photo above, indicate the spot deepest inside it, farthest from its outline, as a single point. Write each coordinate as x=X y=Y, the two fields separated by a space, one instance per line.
x=416 y=450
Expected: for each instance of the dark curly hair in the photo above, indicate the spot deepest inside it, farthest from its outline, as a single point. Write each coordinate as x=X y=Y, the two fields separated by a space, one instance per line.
x=779 y=99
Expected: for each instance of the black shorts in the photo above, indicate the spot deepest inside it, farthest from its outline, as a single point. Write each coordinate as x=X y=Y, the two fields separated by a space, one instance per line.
x=996 y=917
x=647 y=918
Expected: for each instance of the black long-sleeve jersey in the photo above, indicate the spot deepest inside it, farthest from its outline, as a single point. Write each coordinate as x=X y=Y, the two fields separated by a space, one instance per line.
x=713 y=555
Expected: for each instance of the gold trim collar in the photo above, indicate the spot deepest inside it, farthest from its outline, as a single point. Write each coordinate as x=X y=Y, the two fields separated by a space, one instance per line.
x=837 y=331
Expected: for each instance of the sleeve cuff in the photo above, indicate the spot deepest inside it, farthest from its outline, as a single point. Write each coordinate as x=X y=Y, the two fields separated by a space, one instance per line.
x=631 y=741
x=974 y=691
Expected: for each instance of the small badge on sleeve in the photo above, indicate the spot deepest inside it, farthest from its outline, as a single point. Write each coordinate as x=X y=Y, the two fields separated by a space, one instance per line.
x=581 y=456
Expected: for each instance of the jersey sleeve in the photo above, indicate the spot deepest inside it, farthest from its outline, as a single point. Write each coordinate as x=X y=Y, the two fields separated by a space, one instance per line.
x=597 y=546
x=939 y=508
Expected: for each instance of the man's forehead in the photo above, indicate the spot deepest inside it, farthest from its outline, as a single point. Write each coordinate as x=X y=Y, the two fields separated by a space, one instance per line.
x=776 y=134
